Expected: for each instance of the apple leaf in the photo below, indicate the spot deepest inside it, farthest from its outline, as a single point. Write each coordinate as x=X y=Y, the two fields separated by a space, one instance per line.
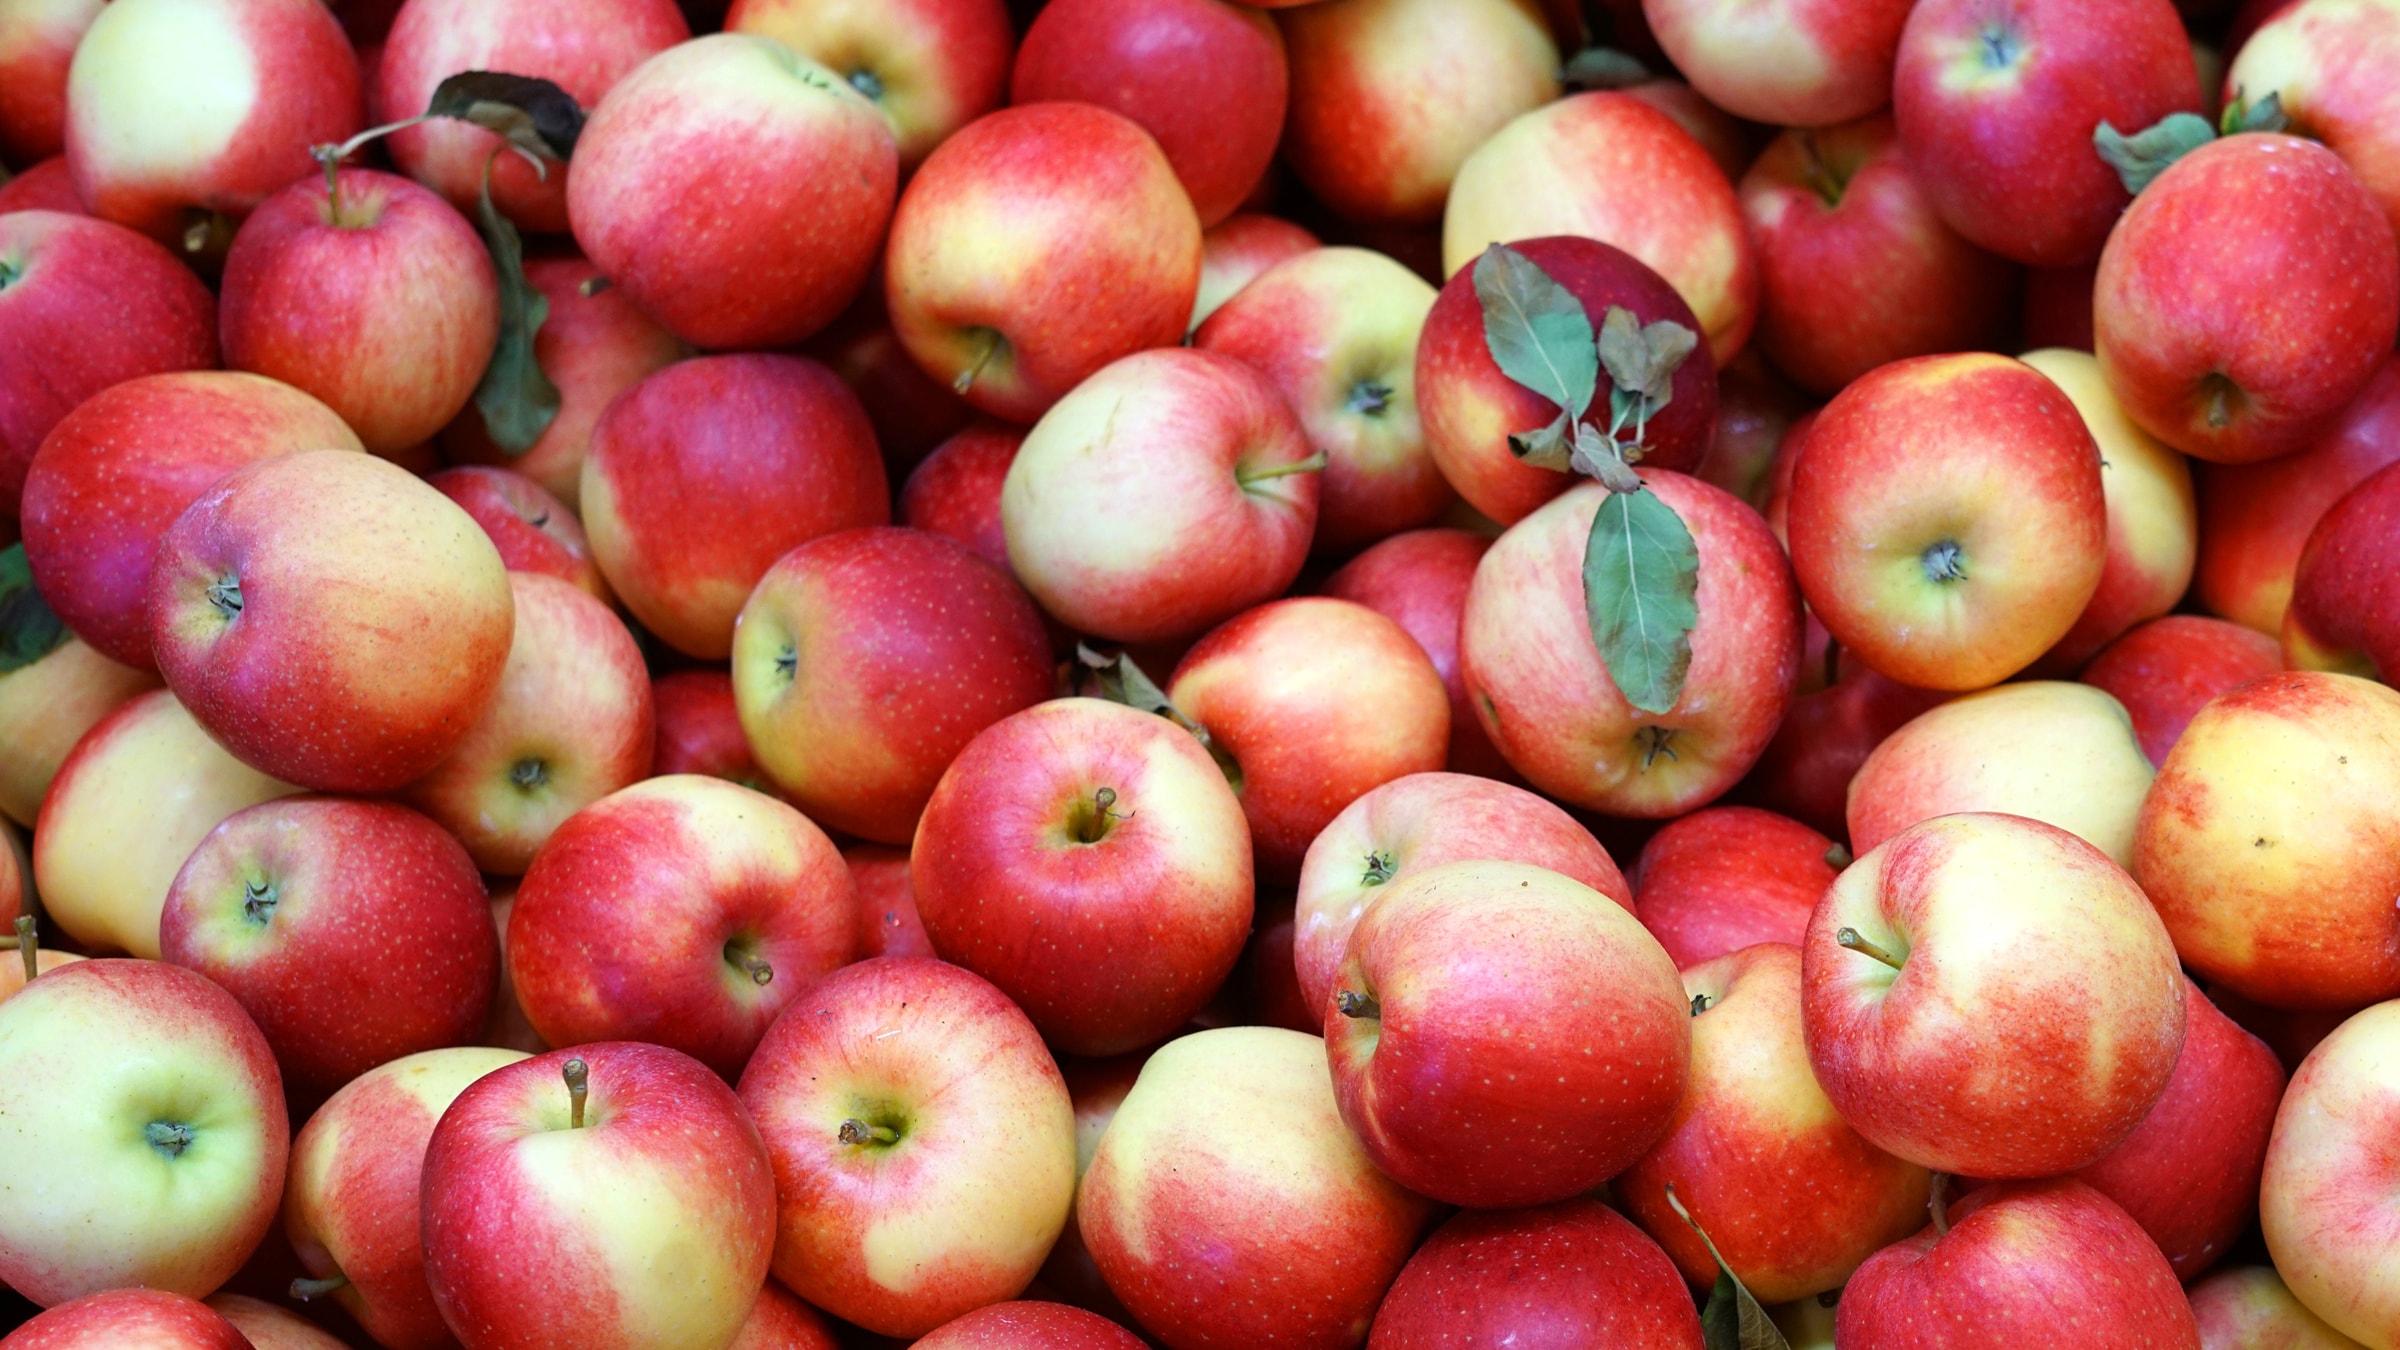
x=1537 y=330
x=1119 y=680
x=516 y=398
x=1641 y=587
x=1549 y=447
x=1603 y=68
x=2242 y=115
x=1600 y=456
x=535 y=116
x=2141 y=157
x=1732 y=1318
x=29 y=628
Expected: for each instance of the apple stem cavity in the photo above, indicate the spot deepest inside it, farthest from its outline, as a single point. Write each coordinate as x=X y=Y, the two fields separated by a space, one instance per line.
x=1365 y=1007
x=1380 y=869
x=988 y=343
x=1828 y=184
x=1313 y=464
x=1369 y=398
x=2221 y=395
x=868 y=83
x=1857 y=942
x=858 y=1133
x=305 y=1290
x=1946 y=562
x=27 y=946
x=579 y=1083
x=1938 y=1200
x=259 y=899
x=787 y=663
x=168 y=1137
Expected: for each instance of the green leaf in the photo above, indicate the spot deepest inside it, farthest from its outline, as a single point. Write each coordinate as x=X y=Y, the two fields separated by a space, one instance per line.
x=1603 y=68
x=1732 y=1319
x=1598 y=456
x=535 y=116
x=1641 y=586
x=29 y=628
x=1643 y=359
x=1537 y=330
x=2242 y=115
x=1548 y=447
x=516 y=398
x=2142 y=157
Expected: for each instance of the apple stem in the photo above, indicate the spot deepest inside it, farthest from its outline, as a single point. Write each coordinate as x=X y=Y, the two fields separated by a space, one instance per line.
x=1938 y=1200
x=1827 y=184
x=26 y=946
x=1838 y=857
x=1354 y=1004
x=304 y=1290
x=987 y=346
x=856 y=1132
x=761 y=973
x=579 y=1081
x=1090 y=821
x=1857 y=942
x=593 y=286
x=1313 y=464
x=2220 y=402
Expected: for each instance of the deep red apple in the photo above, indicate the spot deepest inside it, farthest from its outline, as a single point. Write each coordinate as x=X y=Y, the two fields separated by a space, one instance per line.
x=1805 y=772
x=1570 y=1274
x=956 y=491
x=1719 y=880
x=699 y=730
x=128 y=1319
x=2166 y=670
x=1419 y=580
x=1235 y=250
x=1030 y=1325
x=46 y=186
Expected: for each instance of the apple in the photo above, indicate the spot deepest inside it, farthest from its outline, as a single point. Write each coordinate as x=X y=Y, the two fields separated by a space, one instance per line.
x=144 y=1115
x=1948 y=521
x=533 y=530
x=1228 y=1156
x=699 y=730
x=1090 y=860
x=1238 y=249
x=685 y=911
x=931 y=66
x=1791 y=1195
x=1314 y=701
x=736 y=189
x=1030 y=1326
x=46 y=186
x=2328 y=1164
x=911 y=411
x=129 y=1319
x=702 y=475
x=1610 y=167
x=2054 y=751
x=2342 y=611
x=956 y=491
x=116 y=472
x=2249 y=1305
x=571 y=723
x=184 y=115
x=1855 y=268
x=583 y=49
x=351 y=1209
x=1470 y=408
x=1390 y=97
x=2328 y=65
x=593 y=348
x=2259 y=843
x=1547 y=700
x=1997 y=106
x=37 y=45
x=780 y=1321
x=1419 y=580
x=1728 y=877
x=630 y=1204
x=1336 y=330
x=1792 y=63
x=1036 y=246
x=1410 y=825
x=1204 y=78
x=331 y=619
x=138 y=793
x=1756 y=408
x=2164 y=671
x=1571 y=1274
x=1525 y=1002
x=866 y=660
x=45 y=708
x=1168 y=493
x=84 y=305
x=1989 y=995
x=888 y=924
x=2300 y=309
x=2043 y=1265
x=922 y=1141
x=1729 y=140
x=269 y=1327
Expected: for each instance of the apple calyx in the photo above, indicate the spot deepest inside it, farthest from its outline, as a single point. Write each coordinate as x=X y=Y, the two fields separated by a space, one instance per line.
x=9 y=272
x=988 y=343
x=168 y=1136
x=2141 y=157
x=1938 y=1201
x=1858 y=942
x=867 y=82
x=1368 y=398
x=259 y=899
x=305 y=1289
x=29 y=628
x=1364 y=1007
x=1246 y=477
x=1997 y=47
x=864 y=1134
x=225 y=596
x=1945 y=562
x=1733 y=1318
x=529 y=774
x=2223 y=397
x=27 y=946
x=1656 y=741
x=578 y=1076
x=1380 y=869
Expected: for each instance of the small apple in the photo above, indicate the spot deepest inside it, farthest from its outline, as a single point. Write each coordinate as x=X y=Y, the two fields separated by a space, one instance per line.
x=2327 y=1163
x=699 y=729
x=2342 y=613
x=270 y=1327
x=1792 y=63
x=1030 y=1326
x=2328 y=66
x=46 y=706
x=37 y=46
x=956 y=490
x=2250 y=1306
x=1233 y=252
x=888 y=924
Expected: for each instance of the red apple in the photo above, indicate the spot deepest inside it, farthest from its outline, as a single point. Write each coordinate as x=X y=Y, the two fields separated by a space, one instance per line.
x=705 y=473
x=1730 y=141
x=2328 y=65
x=866 y=660
x=507 y=1028
x=129 y=1319
x=1090 y=860
x=1036 y=246
x=1570 y=1274
x=46 y=186
x=888 y=924
x=119 y=469
x=2249 y=1306
x=1794 y=63
x=780 y=1321
x=1806 y=770
x=37 y=44
x=1419 y=580
x=912 y=412
x=2329 y=1164
x=533 y=530
x=956 y=491
x=2343 y=613
x=684 y=911
x=2166 y=670
x=1236 y=250
x=271 y=1327
x=1723 y=879
x=932 y=66
x=1030 y=1326
x=331 y=619
x=699 y=730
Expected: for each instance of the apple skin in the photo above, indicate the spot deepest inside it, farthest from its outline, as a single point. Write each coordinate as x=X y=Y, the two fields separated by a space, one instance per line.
x=1390 y=97
x=1161 y=497
x=930 y=66
x=45 y=186
x=1549 y=1278
x=1410 y=825
x=2164 y=671
x=367 y=628
x=1030 y=1326
x=958 y=1210
x=533 y=530
x=2298 y=314
x=1729 y=877
x=1975 y=456
x=2328 y=1168
x=1997 y=107
x=584 y=49
x=730 y=118
x=1317 y=701
x=88 y=305
x=1226 y=1158
x=888 y=924
x=2035 y=1265
x=93 y=1053
x=2244 y=1306
x=1855 y=268
x=653 y=1228
x=1110 y=925
x=1097 y=1087
x=593 y=348
x=1791 y=1195
x=270 y=1327
x=137 y=794
x=2061 y=753
x=37 y=46
x=1205 y=79
x=702 y=475
x=1478 y=1083
x=866 y=660
x=351 y=1208
x=128 y=1319
x=1419 y=580
x=301 y=908
x=956 y=490
x=1036 y=246
x=1794 y=63
x=2342 y=611
x=1233 y=252
x=1806 y=770
x=2037 y=1015
x=699 y=730
x=1336 y=329
x=507 y=1028
x=651 y=914
x=1547 y=701
x=2329 y=66
x=117 y=471
x=780 y=1321
x=1561 y=169
x=149 y=150
x=570 y=724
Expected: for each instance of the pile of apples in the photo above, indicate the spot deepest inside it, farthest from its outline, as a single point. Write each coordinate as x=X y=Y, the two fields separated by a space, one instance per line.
x=1705 y=674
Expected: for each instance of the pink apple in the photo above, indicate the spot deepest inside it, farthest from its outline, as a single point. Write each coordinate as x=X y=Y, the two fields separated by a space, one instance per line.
x=1030 y=1326
x=37 y=45
x=1574 y=1273
x=932 y=66
x=1794 y=63
x=533 y=530
x=2341 y=617
x=1419 y=580
x=888 y=923
x=1236 y=250
x=129 y=1319
x=2249 y=1306
x=699 y=730
x=2328 y=1163
x=1720 y=880
x=956 y=491
x=2328 y=66
x=2166 y=670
